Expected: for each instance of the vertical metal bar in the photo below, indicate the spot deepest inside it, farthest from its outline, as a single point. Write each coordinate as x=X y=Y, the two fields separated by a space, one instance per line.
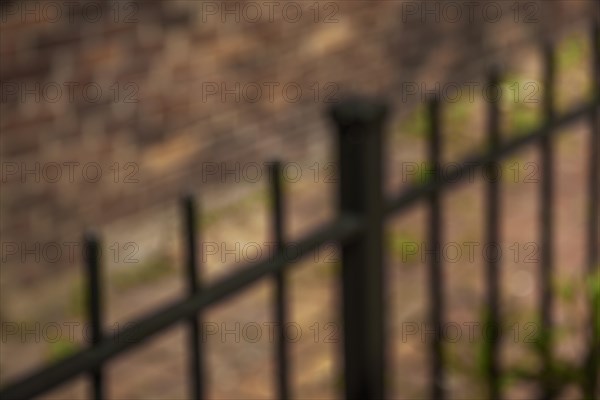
x=593 y=236
x=193 y=286
x=493 y=239
x=360 y=123
x=436 y=285
x=546 y=225
x=280 y=287
x=94 y=298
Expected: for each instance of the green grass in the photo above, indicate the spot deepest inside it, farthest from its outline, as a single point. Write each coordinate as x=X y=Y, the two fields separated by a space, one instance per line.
x=60 y=349
x=416 y=124
x=572 y=52
x=133 y=275
x=456 y=118
x=565 y=290
x=521 y=104
x=401 y=245
x=76 y=304
x=524 y=118
x=327 y=269
x=423 y=174
x=593 y=293
x=521 y=100
x=147 y=272
x=240 y=206
x=561 y=373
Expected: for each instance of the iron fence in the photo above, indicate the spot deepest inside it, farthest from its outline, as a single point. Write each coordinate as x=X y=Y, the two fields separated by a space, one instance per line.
x=358 y=228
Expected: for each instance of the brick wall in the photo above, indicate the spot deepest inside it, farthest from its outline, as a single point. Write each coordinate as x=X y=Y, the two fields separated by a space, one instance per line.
x=147 y=93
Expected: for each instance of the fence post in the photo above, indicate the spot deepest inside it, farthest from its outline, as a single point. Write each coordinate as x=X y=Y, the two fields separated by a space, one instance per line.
x=94 y=300
x=493 y=271
x=190 y=227
x=547 y=224
x=281 y=311
x=436 y=271
x=360 y=123
x=592 y=383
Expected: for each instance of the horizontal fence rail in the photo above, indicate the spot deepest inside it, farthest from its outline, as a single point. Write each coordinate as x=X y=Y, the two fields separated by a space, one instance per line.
x=358 y=228
x=473 y=162
x=132 y=336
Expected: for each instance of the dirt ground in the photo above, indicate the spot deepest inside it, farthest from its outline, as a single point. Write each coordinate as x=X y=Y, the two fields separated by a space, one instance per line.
x=239 y=348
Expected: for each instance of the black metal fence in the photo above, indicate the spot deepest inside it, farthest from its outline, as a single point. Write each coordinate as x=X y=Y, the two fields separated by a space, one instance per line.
x=359 y=229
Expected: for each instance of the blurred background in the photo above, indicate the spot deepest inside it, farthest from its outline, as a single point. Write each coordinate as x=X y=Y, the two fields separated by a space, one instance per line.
x=110 y=111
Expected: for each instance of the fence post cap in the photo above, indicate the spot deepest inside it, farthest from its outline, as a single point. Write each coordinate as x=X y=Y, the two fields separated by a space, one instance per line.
x=187 y=196
x=496 y=71
x=91 y=235
x=91 y=245
x=358 y=110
